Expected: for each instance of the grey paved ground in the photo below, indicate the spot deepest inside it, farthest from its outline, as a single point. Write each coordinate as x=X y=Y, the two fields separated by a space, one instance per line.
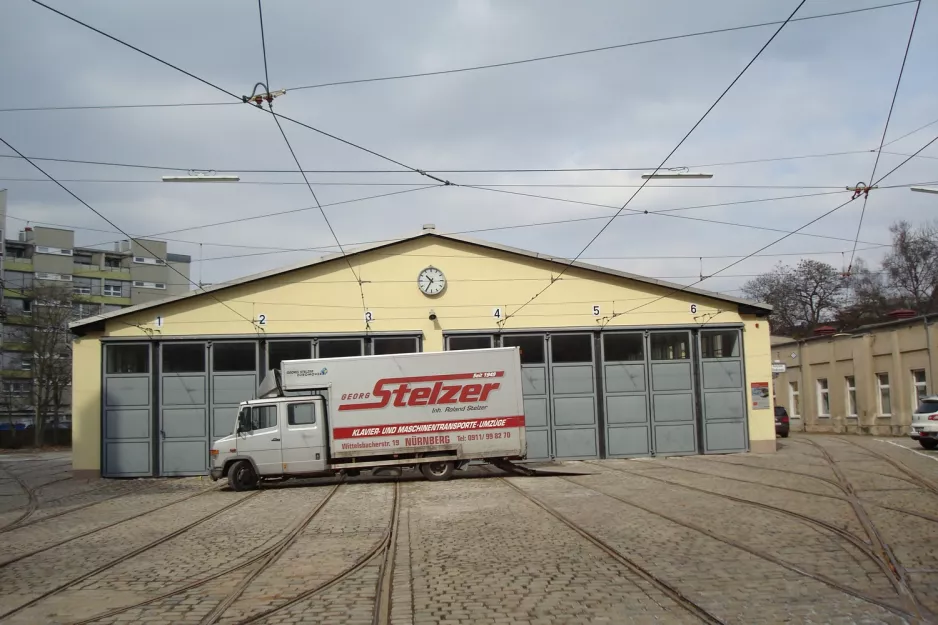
x=779 y=538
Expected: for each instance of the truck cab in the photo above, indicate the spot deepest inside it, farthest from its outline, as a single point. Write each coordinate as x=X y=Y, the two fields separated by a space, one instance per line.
x=273 y=438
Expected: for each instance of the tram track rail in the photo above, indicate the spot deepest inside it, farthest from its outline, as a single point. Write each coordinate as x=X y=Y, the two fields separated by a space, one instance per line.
x=33 y=499
x=914 y=476
x=880 y=545
x=667 y=589
x=128 y=555
x=899 y=610
x=857 y=542
x=34 y=552
x=385 y=549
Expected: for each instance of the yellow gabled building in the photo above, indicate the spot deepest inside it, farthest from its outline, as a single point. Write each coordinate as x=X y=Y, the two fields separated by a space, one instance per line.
x=615 y=365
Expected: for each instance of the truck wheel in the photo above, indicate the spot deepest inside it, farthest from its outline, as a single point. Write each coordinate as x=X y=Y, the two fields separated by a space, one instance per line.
x=928 y=443
x=437 y=471
x=241 y=476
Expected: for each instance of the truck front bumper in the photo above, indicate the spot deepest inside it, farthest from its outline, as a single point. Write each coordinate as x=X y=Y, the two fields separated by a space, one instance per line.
x=215 y=474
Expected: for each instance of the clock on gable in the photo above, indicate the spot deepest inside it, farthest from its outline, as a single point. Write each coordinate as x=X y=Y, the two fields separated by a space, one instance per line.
x=431 y=281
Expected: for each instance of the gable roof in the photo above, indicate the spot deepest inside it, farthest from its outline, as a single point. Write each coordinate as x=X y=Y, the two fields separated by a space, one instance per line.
x=748 y=306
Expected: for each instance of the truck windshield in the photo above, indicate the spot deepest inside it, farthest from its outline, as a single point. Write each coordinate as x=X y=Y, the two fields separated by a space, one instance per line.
x=927 y=406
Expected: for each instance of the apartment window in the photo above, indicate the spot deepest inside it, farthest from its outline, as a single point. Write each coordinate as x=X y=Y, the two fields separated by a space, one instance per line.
x=918 y=386
x=58 y=251
x=82 y=310
x=885 y=402
x=81 y=259
x=27 y=306
x=823 y=398
x=149 y=285
x=113 y=290
x=112 y=263
x=794 y=399
x=850 y=386
x=143 y=260
x=26 y=364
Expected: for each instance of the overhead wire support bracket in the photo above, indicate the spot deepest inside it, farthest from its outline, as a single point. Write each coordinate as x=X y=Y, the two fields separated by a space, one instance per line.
x=861 y=188
x=258 y=98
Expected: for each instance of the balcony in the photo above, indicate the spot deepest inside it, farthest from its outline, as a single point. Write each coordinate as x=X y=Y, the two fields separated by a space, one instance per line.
x=93 y=271
x=18 y=264
x=17 y=346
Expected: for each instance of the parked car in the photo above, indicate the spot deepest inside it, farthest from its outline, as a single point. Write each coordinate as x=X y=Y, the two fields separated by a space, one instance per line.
x=782 y=423
x=925 y=423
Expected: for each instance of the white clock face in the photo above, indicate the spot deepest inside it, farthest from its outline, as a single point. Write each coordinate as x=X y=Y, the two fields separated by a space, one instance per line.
x=431 y=281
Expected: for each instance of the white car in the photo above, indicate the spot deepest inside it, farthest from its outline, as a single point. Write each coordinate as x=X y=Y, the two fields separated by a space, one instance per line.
x=925 y=423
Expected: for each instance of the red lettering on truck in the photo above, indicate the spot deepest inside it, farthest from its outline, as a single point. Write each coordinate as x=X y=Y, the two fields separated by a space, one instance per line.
x=417 y=391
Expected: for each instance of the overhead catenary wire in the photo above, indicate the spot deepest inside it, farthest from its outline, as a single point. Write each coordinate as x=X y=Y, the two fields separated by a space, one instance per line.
x=233 y=95
x=590 y=50
x=665 y=160
x=765 y=247
x=473 y=68
x=892 y=104
x=137 y=241
x=325 y=218
x=510 y=170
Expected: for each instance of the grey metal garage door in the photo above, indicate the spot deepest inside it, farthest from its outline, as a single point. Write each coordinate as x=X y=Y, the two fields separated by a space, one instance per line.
x=573 y=396
x=126 y=408
x=673 y=413
x=184 y=428
x=234 y=380
x=625 y=387
x=537 y=431
x=724 y=396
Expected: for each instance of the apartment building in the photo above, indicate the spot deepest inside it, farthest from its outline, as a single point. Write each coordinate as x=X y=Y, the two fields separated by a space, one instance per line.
x=866 y=382
x=99 y=280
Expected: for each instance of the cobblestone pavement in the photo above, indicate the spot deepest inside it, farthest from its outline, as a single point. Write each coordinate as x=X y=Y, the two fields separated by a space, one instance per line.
x=791 y=537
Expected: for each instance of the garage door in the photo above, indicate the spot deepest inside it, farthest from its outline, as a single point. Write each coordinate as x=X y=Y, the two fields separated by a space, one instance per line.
x=537 y=430
x=724 y=396
x=126 y=406
x=184 y=426
x=625 y=387
x=573 y=396
x=234 y=380
x=673 y=413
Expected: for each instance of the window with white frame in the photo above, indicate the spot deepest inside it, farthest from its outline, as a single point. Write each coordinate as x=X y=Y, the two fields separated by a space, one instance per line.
x=885 y=401
x=112 y=290
x=918 y=386
x=794 y=399
x=850 y=388
x=823 y=398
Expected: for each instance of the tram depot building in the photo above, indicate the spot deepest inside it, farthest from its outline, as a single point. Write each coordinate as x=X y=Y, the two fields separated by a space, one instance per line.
x=614 y=365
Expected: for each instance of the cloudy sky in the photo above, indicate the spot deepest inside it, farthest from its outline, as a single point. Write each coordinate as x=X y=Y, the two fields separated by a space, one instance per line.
x=822 y=86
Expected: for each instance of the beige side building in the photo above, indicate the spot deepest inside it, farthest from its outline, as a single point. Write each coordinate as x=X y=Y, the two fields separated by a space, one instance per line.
x=866 y=382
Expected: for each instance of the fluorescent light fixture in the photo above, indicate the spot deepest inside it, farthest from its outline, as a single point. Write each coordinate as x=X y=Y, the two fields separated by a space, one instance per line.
x=671 y=175
x=925 y=189
x=203 y=178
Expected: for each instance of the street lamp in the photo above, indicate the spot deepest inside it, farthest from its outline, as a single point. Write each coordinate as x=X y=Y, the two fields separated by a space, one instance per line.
x=203 y=176
x=676 y=173
x=925 y=189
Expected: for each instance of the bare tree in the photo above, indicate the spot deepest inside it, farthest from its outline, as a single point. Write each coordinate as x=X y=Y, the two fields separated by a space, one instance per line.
x=872 y=297
x=802 y=297
x=912 y=264
x=52 y=363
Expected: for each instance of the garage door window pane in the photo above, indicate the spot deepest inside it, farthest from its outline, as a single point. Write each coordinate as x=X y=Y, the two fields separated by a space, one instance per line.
x=571 y=348
x=623 y=347
x=340 y=348
x=719 y=344
x=128 y=358
x=279 y=351
x=184 y=358
x=456 y=343
x=234 y=357
x=395 y=346
x=670 y=346
x=532 y=348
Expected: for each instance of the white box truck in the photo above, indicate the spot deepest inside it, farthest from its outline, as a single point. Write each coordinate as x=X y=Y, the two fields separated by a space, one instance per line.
x=435 y=411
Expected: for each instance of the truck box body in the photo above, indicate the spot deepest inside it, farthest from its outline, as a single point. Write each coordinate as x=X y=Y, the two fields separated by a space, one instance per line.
x=468 y=402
